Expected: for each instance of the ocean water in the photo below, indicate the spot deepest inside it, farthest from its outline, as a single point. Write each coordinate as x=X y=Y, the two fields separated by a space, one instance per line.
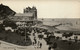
x=61 y=20
x=68 y=23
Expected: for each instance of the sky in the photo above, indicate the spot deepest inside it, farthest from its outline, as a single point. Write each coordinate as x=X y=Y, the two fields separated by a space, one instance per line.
x=47 y=8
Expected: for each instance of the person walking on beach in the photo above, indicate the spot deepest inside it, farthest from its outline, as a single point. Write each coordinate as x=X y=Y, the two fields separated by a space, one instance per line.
x=33 y=34
x=49 y=48
x=40 y=45
x=33 y=43
x=35 y=40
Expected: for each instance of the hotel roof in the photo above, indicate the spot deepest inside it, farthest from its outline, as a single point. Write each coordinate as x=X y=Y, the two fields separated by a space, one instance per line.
x=24 y=14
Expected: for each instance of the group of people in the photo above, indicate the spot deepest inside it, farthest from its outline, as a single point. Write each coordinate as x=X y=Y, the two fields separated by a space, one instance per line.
x=37 y=44
x=36 y=41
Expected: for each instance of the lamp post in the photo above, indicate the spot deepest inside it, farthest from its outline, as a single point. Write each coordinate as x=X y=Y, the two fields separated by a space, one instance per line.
x=25 y=34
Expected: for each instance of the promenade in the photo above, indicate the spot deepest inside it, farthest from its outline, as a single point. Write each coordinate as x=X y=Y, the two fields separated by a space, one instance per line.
x=10 y=46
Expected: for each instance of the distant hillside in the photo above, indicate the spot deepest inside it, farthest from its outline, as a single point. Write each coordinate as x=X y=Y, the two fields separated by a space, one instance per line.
x=5 y=11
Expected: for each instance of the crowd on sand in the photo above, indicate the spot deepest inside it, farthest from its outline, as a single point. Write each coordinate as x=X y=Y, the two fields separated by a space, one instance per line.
x=38 y=35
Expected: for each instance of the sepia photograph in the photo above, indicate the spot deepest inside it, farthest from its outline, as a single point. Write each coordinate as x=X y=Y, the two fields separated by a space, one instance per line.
x=39 y=24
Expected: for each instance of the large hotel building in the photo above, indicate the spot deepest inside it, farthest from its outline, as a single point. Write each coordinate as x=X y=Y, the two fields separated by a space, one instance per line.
x=29 y=16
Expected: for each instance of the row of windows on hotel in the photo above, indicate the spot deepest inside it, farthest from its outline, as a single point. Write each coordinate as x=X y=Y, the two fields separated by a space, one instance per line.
x=25 y=23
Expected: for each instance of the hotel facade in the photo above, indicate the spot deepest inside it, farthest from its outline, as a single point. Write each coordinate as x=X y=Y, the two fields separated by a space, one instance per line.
x=28 y=17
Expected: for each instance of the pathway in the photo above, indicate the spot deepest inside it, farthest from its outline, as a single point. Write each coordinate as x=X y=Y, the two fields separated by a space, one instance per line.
x=10 y=46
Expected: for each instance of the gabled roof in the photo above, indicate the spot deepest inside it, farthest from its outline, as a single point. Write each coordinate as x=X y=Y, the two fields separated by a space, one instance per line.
x=24 y=14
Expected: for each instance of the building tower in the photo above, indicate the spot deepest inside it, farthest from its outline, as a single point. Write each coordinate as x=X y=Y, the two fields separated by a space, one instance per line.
x=31 y=10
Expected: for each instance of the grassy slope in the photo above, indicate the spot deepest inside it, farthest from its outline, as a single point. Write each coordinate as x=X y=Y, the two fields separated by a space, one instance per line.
x=14 y=38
